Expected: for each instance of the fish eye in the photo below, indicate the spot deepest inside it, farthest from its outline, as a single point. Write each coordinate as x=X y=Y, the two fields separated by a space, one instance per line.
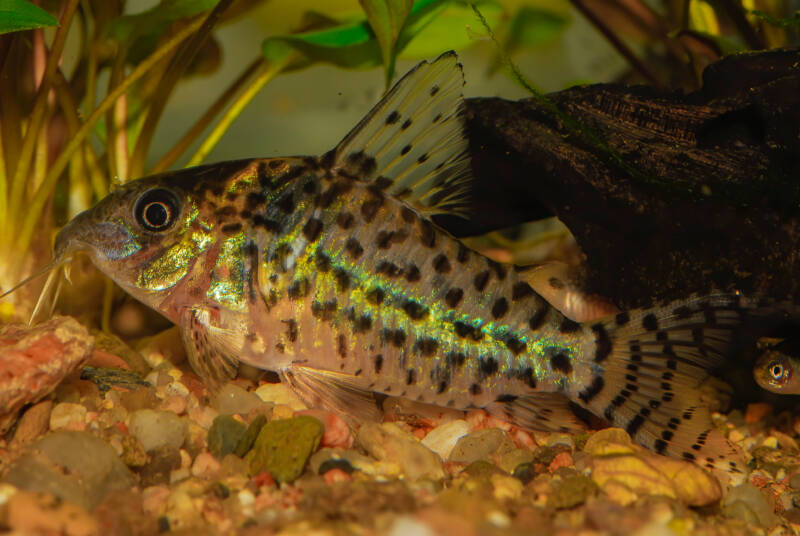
x=776 y=370
x=156 y=210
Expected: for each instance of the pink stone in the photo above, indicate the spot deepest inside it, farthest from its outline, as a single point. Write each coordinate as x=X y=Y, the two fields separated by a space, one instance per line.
x=337 y=433
x=35 y=360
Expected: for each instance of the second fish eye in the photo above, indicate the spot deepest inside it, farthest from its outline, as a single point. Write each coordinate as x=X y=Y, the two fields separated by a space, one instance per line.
x=776 y=370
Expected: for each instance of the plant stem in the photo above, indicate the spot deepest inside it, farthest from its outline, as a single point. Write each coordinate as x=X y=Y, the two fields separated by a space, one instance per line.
x=34 y=208
x=202 y=123
x=166 y=85
x=38 y=114
x=617 y=43
x=737 y=15
x=266 y=73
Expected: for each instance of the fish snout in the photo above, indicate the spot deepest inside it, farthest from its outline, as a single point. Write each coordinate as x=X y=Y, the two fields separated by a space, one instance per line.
x=104 y=240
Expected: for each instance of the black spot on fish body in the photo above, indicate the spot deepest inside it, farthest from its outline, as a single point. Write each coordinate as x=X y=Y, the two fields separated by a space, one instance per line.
x=312 y=229
x=427 y=346
x=650 y=322
x=309 y=187
x=462 y=255
x=434 y=90
x=515 y=345
x=593 y=390
x=481 y=280
x=345 y=220
x=353 y=248
x=568 y=326
x=376 y=296
x=362 y=324
x=369 y=209
x=405 y=150
x=622 y=318
x=442 y=387
x=341 y=346
x=441 y=264
x=291 y=329
x=322 y=262
x=498 y=269
x=415 y=310
x=324 y=310
x=500 y=308
x=603 y=343
x=298 y=289
x=536 y=320
x=561 y=363
x=286 y=203
x=342 y=279
x=660 y=446
x=505 y=399
x=411 y=376
x=453 y=297
x=406 y=124
x=422 y=158
x=427 y=235
x=393 y=117
x=436 y=118
x=384 y=239
x=475 y=389
x=268 y=224
x=378 y=363
x=487 y=366
x=395 y=337
x=388 y=269
x=521 y=290
x=413 y=274
x=635 y=424
x=255 y=200
x=383 y=183
x=231 y=228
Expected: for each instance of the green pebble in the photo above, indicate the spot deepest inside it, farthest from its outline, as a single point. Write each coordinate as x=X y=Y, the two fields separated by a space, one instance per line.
x=249 y=438
x=224 y=435
x=571 y=491
x=283 y=447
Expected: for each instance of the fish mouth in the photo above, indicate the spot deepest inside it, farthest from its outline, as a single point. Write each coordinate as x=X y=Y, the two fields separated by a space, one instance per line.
x=102 y=240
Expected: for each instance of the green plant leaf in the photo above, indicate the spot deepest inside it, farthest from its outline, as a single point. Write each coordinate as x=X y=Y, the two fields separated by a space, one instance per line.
x=778 y=22
x=532 y=26
x=351 y=44
x=452 y=28
x=387 y=18
x=17 y=15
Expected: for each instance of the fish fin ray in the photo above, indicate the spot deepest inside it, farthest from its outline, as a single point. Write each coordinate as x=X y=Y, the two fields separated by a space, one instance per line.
x=333 y=390
x=539 y=411
x=212 y=350
x=412 y=143
x=648 y=383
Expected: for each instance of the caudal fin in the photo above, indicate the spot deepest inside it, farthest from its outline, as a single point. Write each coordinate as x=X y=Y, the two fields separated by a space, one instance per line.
x=650 y=365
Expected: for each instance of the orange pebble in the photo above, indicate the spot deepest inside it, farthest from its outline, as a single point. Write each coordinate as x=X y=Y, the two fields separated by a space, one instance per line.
x=337 y=433
x=562 y=459
x=263 y=479
x=336 y=475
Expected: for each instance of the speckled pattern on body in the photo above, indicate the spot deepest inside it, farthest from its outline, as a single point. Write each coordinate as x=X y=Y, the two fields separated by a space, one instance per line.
x=329 y=271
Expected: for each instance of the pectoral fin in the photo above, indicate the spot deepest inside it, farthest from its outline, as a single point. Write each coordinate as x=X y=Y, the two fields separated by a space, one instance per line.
x=335 y=391
x=212 y=350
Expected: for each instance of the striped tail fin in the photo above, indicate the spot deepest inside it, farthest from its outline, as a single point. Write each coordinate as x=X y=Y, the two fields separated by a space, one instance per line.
x=650 y=364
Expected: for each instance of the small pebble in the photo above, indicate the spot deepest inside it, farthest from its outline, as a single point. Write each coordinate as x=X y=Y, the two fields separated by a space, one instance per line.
x=158 y=429
x=284 y=446
x=279 y=394
x=388 y=442
x=442 y=439
x=336 y=475
x=68 y=416
x=232 y=399
x=224 y=435
x=205 y=466
x=480 y=444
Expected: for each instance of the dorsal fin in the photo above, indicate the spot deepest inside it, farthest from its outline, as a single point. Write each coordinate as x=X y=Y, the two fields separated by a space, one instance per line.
x=412 y=143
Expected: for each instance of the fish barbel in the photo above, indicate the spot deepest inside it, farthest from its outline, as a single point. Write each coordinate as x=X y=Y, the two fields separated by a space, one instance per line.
x=329 y=271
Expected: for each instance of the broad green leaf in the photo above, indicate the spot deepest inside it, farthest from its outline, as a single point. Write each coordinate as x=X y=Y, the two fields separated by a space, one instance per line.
x=387 y=18
x=350 y=44
x=530 y=27
x=451 y=29
x=17 y=15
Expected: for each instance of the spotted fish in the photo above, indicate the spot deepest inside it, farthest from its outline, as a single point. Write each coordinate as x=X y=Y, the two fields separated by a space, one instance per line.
x=330 y=271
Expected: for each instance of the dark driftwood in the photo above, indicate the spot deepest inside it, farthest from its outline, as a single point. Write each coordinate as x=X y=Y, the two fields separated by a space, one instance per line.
x=714 y=201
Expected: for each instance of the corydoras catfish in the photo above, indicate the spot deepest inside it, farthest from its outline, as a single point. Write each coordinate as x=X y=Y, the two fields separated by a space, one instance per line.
x=330 y=271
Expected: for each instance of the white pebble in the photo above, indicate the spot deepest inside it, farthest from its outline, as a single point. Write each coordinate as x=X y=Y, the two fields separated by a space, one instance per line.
x=444 y=437
x=158 y=429
x=67 y=415
x=279 y=394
